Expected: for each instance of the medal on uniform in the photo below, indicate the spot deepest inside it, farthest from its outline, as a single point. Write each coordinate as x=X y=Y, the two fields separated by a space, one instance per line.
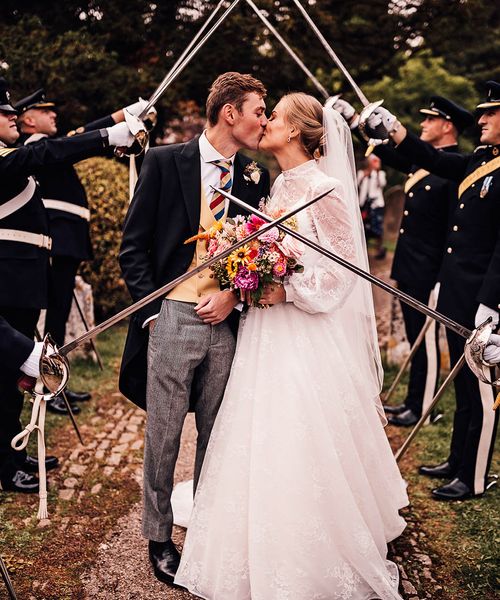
x=486 y=186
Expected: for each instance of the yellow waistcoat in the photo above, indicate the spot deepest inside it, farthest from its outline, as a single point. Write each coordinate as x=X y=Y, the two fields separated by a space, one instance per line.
x=204 y=283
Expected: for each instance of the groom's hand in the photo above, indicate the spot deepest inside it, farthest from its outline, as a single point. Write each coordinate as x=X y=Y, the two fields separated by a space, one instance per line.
x=214 y=308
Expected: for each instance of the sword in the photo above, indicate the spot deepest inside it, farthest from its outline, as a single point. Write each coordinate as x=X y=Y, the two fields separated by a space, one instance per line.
x=86 y=326
x=475 y=339
x=65 y=399
x=273 y=30
x=179 y=64
x=369 y=107
x=406 y=362
x=451 y=376
x=54 y=365
x=7 y=580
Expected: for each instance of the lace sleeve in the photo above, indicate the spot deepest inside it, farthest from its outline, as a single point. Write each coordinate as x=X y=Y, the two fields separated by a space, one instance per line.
x=324 y=285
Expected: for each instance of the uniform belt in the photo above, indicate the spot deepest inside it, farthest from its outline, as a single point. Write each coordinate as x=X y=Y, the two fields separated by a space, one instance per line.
x=74 y=209
x=18 y=201
x=26 y=237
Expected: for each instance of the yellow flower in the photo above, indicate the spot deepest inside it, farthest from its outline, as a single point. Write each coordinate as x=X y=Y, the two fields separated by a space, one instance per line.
x=241 y=256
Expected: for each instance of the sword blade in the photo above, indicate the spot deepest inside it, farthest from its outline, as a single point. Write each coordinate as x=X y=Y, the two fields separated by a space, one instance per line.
x=364 y=100
x=162 y=291
x=185 y=58
x=86 y=326
x=420 y=306
x=293 y=54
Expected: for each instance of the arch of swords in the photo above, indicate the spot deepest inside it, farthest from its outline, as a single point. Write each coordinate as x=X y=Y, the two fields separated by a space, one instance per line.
x=54 y=364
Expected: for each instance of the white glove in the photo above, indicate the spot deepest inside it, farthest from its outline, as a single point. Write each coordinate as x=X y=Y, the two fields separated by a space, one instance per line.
x=120 y=136
x=491 y=353
x=345 y=109
x=137 y=107
x=31 y=365
x=382 y=115
x=483 y=312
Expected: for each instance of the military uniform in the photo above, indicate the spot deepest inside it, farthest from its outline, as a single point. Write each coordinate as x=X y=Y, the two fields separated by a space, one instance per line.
x=419 y=253
x=469 y=275
x=25 y=246
x=65 y=199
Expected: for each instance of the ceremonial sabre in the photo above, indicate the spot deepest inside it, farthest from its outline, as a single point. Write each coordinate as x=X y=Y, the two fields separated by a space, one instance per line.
x=273 y=30
x=86 y=326
x=476 y=339
x=7 y=580
x=369 y=107
x=54 y=366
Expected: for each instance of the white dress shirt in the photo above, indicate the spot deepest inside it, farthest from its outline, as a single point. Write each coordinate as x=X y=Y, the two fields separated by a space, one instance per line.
x=210 y=173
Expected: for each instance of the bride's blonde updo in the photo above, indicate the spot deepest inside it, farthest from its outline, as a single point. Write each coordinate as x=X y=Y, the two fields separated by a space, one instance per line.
x=306 y=114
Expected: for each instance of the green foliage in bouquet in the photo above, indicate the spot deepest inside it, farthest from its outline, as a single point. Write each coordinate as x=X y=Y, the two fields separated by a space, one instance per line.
x=106 y=184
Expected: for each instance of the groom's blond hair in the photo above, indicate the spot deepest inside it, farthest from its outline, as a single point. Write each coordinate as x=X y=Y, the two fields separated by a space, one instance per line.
x=231 y=88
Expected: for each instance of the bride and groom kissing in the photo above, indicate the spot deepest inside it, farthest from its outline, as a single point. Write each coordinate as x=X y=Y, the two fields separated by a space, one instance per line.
x=297 y=491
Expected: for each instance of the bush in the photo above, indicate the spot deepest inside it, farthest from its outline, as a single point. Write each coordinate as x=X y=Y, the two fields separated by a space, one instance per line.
x=106 y=184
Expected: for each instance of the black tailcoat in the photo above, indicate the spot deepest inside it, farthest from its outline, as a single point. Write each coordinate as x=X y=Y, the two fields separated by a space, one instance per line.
x=165 y=211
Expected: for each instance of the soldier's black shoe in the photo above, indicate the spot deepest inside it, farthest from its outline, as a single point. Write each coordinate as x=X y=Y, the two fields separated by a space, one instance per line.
x=77 y=396
x=20 y=482
x=395 y=410
x=30 y=465
x=58 y=406
x=165 y=559
x=404 y=419
x=455 y=490
x=435 y=416
x=443 y=471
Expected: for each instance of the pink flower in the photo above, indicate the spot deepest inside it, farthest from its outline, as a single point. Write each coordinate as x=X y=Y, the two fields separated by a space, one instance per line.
x=253 y=224
x=279 y=269
x=268 y=237
x=246 y=280
x=291 y=247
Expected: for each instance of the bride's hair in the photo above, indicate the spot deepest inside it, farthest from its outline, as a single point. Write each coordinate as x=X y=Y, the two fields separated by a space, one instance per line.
x=306 y=114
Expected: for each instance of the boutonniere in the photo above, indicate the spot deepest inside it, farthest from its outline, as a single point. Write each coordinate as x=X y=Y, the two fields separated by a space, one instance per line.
x=252 y=173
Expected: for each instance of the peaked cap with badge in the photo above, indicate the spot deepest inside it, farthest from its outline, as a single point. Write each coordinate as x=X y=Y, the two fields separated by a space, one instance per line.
x=470 y=276
x=446 y=109
x=35 y=100
x=5 y=105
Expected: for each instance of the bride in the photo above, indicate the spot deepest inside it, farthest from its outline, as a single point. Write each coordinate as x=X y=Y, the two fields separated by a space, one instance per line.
x=299 y=492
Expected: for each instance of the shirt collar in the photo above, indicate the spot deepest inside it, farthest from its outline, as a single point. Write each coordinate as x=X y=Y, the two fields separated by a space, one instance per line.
x=209 y=153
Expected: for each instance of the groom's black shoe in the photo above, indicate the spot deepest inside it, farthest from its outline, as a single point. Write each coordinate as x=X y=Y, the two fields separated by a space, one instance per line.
x=165 y=559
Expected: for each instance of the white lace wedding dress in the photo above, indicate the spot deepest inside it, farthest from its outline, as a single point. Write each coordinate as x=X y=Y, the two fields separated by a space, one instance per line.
x=299 y=492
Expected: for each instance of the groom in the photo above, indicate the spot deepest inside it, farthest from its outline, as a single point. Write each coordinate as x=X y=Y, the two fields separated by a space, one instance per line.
x=179 y=348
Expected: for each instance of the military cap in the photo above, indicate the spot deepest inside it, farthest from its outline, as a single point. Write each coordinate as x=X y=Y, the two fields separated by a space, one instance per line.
x=446 y=109
x=5 y=105
x=35 y=100
x=492 y=95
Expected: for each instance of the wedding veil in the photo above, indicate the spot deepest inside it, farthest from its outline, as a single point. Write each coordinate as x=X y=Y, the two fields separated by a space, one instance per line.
x=357 y=313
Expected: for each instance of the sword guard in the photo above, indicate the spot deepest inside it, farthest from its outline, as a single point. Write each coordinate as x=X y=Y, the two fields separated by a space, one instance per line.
x=473 y=351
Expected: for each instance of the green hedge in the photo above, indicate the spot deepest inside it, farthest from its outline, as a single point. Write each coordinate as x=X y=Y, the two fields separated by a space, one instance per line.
x=106 y=183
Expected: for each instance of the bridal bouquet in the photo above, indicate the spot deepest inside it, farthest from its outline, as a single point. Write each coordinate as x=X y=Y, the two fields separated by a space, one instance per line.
x=268 y=258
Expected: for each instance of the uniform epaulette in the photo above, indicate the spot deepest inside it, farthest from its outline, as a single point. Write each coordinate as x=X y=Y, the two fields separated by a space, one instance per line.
x=75 y=131
x=5 y=151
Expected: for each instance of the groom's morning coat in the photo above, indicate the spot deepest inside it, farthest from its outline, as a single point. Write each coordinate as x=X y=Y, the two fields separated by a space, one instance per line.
x=165 y=211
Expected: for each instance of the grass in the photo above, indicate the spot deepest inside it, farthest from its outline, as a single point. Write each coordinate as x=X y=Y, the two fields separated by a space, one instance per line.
x=463 y=538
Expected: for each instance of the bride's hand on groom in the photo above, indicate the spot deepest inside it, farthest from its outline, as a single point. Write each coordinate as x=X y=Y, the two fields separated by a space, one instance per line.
x=273 y=294
x=214 y=308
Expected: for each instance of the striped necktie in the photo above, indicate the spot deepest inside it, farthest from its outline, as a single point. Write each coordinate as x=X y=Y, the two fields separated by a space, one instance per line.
x=218 y=202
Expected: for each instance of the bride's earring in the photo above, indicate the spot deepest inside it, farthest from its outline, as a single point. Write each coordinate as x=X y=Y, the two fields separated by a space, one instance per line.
x=289 y=138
